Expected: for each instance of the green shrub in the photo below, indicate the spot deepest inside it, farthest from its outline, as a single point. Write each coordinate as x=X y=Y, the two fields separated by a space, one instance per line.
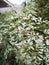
x=24 y=39
x=42 y=8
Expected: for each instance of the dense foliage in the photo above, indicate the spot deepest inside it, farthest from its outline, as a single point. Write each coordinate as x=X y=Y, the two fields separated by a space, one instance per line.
x=24 y=38
x=42 y=8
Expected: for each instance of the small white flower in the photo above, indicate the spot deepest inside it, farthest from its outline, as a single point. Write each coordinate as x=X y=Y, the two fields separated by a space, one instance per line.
x=19 y=28
x=24 y=24
x=24 y=18
x=47 y=42
x=20 y=35
x=0 y=38
x=27 y=28
x=30 y=15
x=12 y=17
x=12 y=25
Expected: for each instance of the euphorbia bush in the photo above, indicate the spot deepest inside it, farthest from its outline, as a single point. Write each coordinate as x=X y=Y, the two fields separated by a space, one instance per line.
x=24 y=39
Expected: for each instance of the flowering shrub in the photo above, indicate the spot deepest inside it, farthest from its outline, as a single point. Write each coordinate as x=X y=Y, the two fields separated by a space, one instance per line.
x=24 y=39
